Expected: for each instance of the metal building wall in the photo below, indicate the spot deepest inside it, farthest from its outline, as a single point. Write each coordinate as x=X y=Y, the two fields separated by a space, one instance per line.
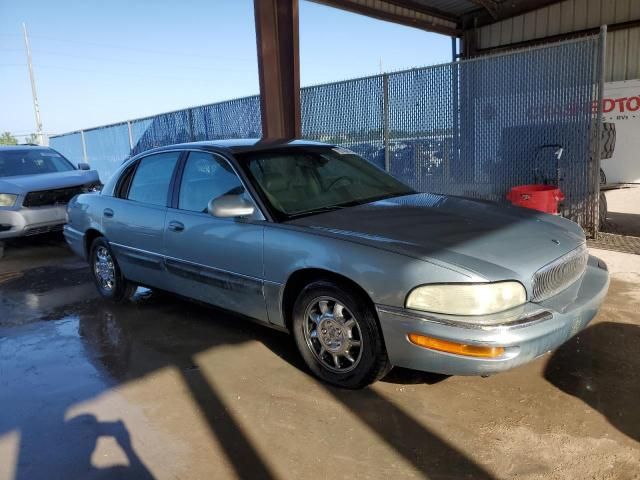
x=623 y=46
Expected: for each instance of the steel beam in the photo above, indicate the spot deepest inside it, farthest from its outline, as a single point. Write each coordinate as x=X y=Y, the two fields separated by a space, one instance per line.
x=419 y=7
x=278 y=67
x=489 y=5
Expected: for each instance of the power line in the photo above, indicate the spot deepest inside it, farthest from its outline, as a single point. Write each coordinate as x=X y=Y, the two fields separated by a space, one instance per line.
x=146 y=50
x=120 y=60
x=117 y=74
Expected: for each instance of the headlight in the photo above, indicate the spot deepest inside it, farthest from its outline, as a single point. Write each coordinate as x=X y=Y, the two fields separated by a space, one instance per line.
x=467 y=298
x=94 y=187
x=7 y=199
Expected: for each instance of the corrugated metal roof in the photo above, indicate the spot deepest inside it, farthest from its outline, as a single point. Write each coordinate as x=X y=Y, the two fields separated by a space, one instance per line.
x=420 y=15
x=444 y=16
x=455 y=7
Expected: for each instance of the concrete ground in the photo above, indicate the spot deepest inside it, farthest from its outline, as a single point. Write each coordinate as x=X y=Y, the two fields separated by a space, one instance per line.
x=163 y=388
x=624 y=211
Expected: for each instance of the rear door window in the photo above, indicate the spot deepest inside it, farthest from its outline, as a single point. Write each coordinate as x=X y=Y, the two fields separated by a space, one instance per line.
x=152 y=178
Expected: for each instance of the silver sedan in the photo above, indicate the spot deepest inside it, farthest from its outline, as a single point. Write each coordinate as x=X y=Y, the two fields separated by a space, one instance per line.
x=365 y=272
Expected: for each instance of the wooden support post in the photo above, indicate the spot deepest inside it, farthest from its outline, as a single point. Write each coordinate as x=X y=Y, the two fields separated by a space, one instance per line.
x=278 y=67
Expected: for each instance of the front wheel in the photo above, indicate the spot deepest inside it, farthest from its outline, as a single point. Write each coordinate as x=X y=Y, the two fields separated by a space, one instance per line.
x=338 y=336
x=106 y=273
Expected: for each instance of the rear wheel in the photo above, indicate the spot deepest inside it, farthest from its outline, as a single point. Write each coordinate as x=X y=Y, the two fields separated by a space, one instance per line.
x=337 y=334
x=106 y=273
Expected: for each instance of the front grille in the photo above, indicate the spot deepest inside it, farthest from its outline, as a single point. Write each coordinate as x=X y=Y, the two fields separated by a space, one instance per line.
x=40 y=230
x=59 y=196
x=559 y=274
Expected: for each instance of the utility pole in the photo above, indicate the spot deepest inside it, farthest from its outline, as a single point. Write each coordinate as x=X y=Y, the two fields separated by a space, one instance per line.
x=36 y=105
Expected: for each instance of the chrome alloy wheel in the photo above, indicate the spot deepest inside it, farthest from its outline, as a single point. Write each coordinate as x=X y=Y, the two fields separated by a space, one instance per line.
x=104 y=269
x=333 y=335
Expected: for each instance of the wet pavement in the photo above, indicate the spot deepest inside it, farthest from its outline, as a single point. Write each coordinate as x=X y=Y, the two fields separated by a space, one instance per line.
x=164 y=388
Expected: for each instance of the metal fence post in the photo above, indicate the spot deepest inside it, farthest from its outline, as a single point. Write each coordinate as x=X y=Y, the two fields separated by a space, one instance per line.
x=84 y=146
x=595 y=178
x=455 y=112
x=190 y=118
x=130 y=136
x=385 y=121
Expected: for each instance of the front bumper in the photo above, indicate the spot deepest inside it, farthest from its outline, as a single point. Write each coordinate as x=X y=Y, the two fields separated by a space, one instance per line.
x=31 y=221
x=538 y=329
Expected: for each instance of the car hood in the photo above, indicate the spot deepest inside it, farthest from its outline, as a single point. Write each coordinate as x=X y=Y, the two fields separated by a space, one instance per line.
x=22 y=184
x=494 y=242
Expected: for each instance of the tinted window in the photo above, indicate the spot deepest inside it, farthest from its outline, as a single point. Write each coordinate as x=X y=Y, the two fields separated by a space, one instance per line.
x=152 y=178
x=206 y=177
x=32 y=161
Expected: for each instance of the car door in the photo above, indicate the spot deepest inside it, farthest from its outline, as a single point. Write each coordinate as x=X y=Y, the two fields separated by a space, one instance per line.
x=134 y=219
x=215 y=260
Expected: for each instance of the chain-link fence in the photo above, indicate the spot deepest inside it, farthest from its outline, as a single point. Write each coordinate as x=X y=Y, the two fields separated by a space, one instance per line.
x=473 y=128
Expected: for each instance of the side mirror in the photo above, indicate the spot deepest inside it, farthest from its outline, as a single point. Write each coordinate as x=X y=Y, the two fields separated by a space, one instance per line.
x=84 y=166
x=230 y=206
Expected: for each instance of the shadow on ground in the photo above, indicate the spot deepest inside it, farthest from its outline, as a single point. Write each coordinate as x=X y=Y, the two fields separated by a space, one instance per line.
x=58 y=361
x=623 y=224
x=601 y=366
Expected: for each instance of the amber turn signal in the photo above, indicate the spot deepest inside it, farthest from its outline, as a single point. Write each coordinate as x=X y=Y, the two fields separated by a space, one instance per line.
x=453 y=347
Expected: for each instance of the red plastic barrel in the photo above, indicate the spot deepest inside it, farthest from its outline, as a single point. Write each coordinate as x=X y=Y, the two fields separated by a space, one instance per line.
x=544 y=198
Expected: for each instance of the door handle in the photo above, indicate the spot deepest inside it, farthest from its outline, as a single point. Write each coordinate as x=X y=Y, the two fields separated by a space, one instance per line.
x=175 y=226
x=108 y=212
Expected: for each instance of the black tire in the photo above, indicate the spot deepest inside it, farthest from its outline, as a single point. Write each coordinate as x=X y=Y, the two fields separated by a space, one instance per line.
x=372 y=362
x=608 y=140
x=121 y=289
x=603 y=177
x=603 y=210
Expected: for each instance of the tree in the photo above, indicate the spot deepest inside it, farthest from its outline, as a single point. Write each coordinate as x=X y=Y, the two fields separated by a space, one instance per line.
x=32 y=138
x=7 y=139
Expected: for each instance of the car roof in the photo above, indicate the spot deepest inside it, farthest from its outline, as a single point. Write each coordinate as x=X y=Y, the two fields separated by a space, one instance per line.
x=241 y=145
x=24 y=147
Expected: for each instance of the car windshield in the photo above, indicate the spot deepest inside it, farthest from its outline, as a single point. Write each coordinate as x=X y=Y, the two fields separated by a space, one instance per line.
x=303 y=181
x=32 y=161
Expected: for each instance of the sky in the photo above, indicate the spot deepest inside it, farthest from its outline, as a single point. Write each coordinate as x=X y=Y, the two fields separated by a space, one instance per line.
x=101 y=62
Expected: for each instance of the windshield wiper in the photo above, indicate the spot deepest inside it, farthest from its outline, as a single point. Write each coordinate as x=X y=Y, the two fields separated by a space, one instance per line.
x=352 y=203
x=313 y=211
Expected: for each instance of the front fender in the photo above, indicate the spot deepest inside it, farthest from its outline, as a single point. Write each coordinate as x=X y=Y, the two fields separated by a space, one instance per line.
x=387 y=277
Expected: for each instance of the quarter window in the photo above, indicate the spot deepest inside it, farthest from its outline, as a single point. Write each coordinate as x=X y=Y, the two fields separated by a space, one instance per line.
x=206 y=177
x=152 y=178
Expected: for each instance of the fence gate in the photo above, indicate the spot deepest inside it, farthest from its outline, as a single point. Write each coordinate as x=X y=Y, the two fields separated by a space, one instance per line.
x=474 y=128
